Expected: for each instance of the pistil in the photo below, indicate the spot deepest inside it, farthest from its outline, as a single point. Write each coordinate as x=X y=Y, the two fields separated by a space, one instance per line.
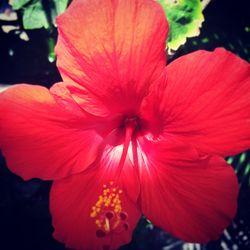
x=130 y=125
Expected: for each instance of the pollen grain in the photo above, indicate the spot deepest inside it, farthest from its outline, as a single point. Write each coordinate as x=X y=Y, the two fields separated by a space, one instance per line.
x=107 y=211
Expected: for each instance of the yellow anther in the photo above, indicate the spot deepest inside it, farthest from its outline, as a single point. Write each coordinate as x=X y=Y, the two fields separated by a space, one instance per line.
x=93 y=215
x=108 y=202
x=98 y=223
x=98 y=204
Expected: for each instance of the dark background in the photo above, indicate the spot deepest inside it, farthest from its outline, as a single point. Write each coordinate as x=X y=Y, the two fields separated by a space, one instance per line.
x=25 y=222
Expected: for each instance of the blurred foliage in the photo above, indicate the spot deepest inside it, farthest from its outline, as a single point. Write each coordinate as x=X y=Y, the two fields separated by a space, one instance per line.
x=17 y=4
x=185 y=18
x=34 y=17
x=38 y=13
x=241 y=164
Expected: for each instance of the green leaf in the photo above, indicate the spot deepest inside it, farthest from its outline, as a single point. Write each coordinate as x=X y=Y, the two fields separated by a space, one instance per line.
x=60 y=6
x=247 y=169
x=243 y=157
x=34 y=16
x=230 y=160
x=51 y=49
x=185 y=18
x=18 y=4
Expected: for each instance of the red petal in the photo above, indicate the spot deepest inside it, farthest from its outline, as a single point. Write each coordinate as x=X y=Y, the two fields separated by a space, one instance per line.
x=41 y=139
x=193 y=199
x=78 y=222
x=113 y=49
x=206 y=101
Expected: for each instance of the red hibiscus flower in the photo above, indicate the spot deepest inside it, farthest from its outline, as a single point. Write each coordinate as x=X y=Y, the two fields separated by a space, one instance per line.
x=124 y=135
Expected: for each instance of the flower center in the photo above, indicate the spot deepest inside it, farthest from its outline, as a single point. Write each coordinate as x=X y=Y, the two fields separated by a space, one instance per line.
x=130 y=124
x=133 y=121
x=107 y=212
